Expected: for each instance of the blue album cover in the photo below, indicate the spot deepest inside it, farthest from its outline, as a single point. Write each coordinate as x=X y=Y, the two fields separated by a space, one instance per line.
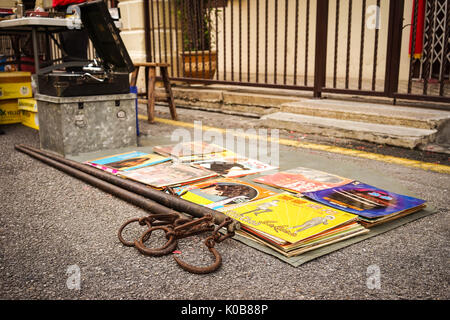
x=129 y=161
x=364 y=200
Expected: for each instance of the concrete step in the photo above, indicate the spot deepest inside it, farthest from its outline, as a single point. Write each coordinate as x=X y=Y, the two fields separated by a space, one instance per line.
x=404 y=125
x=224 y=100
x=399 y=136
x=369 y=112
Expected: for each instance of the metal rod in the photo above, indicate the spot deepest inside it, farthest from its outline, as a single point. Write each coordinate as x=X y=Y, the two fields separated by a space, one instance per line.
x=321 y=48
x=428 y=63
x=307 y=41
x=349 y=39
x=442 y=99
x=224 y=27
x=426 y=52
x=361 y=52
x=210 y=37
x=187 y=34
x=375 y=53
x=201 y=12
x=296 y=43
x=266 y=34
x=336 y=43
x=170 y=12
x=413 y=44
x=248 y=41
x=175 y=3
x=153 y=34
x=275 y=42
x=393 y=49
x=446 y=48
x=133 y=198
x=248 y=84
x=159 y=32
x=240 y=40
x=232 y=40
x=216 y=27
x=286 y=23
x=183 y=44
x=136 y=193
x=195 y=30
x=147 y=41
x=257 y=41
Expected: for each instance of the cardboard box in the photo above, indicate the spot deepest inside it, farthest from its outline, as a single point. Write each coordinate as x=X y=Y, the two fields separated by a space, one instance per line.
x=14 y=85
x=9 y=112
x=29 y=119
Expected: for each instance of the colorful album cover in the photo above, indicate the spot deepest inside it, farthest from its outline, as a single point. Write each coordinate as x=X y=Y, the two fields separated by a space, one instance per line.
x=187 y=149
x=365 y=200
x=168 y=174
x=301 y=180
x=288 y=217
x=127 y=161
x=223 y=192
x=205 y=157
x=234 y=167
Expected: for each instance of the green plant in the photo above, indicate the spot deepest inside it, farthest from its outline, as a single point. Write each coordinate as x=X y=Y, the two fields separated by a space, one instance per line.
x=198 y=20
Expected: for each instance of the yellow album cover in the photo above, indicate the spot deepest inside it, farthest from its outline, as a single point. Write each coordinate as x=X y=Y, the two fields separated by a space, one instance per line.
x=288 y=217
x=224 y=192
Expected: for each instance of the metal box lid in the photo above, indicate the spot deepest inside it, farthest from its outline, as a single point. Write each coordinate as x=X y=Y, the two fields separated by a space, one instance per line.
x=105 y=36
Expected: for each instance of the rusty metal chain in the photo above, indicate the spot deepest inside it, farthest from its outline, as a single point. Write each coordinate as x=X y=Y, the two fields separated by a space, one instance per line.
x=175 y=227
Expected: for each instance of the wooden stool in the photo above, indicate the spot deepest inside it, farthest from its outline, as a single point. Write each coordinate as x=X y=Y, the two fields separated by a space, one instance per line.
x=150 y=67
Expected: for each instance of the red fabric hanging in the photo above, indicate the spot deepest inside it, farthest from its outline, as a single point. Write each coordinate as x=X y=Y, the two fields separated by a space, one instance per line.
x=58 y=3
x=419 y=29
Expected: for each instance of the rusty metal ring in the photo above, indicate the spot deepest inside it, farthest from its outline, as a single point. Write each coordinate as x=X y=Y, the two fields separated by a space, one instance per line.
x=210 y=242
x=202 y=270
x=127 y=243
x=167 y=248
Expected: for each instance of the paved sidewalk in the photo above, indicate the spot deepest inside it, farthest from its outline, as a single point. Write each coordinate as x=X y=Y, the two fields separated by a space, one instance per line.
x=50 y=221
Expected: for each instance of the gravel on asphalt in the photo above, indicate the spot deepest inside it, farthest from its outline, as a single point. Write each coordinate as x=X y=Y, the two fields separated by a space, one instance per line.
x=52 y=224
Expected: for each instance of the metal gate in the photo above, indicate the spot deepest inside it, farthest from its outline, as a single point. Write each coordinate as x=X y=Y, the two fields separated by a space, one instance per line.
x=321 y=46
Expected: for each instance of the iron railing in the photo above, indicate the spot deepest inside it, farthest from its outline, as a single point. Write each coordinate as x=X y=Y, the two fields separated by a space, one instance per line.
x=320 y=46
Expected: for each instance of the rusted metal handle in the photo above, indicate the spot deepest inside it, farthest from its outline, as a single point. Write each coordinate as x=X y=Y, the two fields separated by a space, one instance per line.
x=201 y=270
x=167 y=248
x=128 y=243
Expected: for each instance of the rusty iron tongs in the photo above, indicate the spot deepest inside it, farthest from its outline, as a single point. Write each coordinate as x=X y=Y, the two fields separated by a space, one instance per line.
x=210 y=242
x=177 y=226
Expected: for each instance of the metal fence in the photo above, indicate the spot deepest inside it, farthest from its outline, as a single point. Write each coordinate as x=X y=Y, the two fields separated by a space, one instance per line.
x=321 y=46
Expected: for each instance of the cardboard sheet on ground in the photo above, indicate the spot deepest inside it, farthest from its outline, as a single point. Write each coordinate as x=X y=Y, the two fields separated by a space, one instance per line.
x=291 y=158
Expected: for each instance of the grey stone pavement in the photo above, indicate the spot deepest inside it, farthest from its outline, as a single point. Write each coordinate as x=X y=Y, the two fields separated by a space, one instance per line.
x=51 y=222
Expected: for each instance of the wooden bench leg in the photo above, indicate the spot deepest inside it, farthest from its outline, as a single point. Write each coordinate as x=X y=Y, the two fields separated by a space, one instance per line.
x=168 y=87
x=151 y=94
x=134 y=77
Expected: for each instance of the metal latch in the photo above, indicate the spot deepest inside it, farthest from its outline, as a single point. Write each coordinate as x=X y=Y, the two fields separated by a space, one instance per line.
x=80 y=121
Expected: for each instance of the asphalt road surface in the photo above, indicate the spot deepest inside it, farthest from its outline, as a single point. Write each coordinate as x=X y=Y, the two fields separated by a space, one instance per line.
x=55 y=230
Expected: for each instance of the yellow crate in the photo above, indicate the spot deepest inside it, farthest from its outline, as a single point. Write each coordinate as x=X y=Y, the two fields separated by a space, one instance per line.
x=9 y=112
x=30 y=119
x=14 y=85
x=29 y=104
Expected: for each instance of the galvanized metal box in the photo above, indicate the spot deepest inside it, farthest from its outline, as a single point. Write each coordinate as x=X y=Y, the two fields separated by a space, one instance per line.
x=73 y=125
